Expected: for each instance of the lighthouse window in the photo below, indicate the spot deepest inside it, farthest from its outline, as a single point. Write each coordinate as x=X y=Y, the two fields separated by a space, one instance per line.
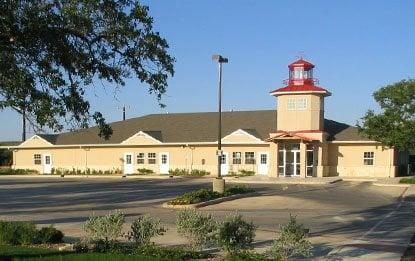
x=301 y=103
x=291 y=104
x=298 y=73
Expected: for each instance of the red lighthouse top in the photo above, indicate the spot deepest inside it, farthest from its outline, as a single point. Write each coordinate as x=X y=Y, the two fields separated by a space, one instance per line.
x=300 y=79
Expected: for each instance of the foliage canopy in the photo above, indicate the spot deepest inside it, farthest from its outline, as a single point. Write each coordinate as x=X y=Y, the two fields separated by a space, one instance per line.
x=51 y=52
x=394 y=126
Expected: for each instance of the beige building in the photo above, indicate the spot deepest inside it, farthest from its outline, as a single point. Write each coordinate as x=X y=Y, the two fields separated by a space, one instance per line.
x=295 y=140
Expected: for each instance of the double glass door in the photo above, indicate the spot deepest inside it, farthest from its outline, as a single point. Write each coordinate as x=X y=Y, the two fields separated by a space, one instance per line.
x=289 y=160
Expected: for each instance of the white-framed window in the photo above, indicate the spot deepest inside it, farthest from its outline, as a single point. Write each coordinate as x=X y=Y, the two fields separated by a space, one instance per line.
x=223 y=159
x=140 y=158
x=263 y=159
x=164 y=159
x=250 y=157
x=151 y=158
x=301 y=104
x=37 y=159
x=368 y=157
x=236 y=158
x=128 y=159
x=291 y=104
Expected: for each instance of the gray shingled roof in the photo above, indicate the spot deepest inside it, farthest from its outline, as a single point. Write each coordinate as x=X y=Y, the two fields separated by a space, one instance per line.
x=9 y=143
x=195 y=127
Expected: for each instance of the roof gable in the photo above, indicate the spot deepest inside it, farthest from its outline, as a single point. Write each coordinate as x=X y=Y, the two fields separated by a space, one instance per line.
x=144 y=138
x=242 y=136
x=36 y=141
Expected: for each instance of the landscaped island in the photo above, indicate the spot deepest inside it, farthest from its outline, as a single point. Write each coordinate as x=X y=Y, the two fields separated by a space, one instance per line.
x=203 y=195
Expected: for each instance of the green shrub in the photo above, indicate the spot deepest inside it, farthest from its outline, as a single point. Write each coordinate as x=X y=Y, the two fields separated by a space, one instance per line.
x=241 y=173
x=144 y=228
x=170 y=253
x=410 y=180
x=49 y=235
x=9 y=171
x=195 y=197
x=246 y=256
x=107 y=229
x=237 y=189
x=186 y=172
x=202 y=195
x=144 y=171
x=17 y=232
x=179 y=172
x=199 y=229
x=291 y=242
x=236 y=234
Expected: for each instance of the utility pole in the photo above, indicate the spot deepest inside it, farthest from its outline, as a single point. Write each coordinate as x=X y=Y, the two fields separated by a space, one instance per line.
x=124 y=108
x=24 y=124
x=219 y=182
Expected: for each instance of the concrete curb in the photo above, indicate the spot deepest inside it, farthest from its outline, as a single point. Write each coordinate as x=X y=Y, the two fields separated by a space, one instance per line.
x=360 y=179
x=210 y=202
x=94 y=176
x=285 y=182
x=393 y=185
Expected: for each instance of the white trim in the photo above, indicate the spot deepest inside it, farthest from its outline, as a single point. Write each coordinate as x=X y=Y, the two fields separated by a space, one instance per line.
x=299 y=92
x=31 y=138
x=141 y=133
x=141 y=145
x=354 y=141
x=241 y=131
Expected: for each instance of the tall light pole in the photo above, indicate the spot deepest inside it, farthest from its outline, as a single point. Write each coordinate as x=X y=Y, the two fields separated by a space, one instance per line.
x=219 y=182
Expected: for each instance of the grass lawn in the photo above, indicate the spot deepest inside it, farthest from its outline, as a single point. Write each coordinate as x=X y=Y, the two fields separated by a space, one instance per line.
x=410 y=180
x=32 y=253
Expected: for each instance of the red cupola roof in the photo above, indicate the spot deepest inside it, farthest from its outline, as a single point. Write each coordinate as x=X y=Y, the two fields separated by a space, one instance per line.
x=301 y=63
x=300 y=80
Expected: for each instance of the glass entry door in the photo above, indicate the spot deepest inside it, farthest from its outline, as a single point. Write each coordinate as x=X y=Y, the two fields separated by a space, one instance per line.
x=289 y=160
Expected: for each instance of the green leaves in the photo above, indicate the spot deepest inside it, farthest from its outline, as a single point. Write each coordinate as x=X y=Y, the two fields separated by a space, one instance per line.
x=394 y=126
x=51 y=52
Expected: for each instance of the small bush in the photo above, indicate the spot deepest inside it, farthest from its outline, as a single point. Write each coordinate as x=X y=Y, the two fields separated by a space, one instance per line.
x=199 y=229
x=107 y=228
x=291 y=242
x=17 y=232
x=195 y=197
x=170 y=253
x=241 y=173
x=236 y=234
x=9 y=171
x=246 y=256
x=144 y=228
x=49 y=235
x=237 y=189
x=186 y=172
x=203 y=195
x=144 y=171
x=410 y=180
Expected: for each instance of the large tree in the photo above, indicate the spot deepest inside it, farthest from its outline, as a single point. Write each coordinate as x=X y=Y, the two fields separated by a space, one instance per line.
x=394 y=125
x=51 y=51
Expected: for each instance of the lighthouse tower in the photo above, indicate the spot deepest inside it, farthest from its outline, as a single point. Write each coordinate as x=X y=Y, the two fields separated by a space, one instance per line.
x=299 y=137
x=300 y=103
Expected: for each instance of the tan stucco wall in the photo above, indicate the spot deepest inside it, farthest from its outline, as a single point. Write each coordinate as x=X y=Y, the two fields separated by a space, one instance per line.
x=107 y=158
x=346 y=160
x=310 y=118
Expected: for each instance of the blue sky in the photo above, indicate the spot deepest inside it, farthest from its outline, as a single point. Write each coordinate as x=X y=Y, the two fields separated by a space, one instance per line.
x=357 y=47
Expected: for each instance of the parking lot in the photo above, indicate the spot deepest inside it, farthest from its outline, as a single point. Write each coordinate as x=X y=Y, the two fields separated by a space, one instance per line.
x=340 y=215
